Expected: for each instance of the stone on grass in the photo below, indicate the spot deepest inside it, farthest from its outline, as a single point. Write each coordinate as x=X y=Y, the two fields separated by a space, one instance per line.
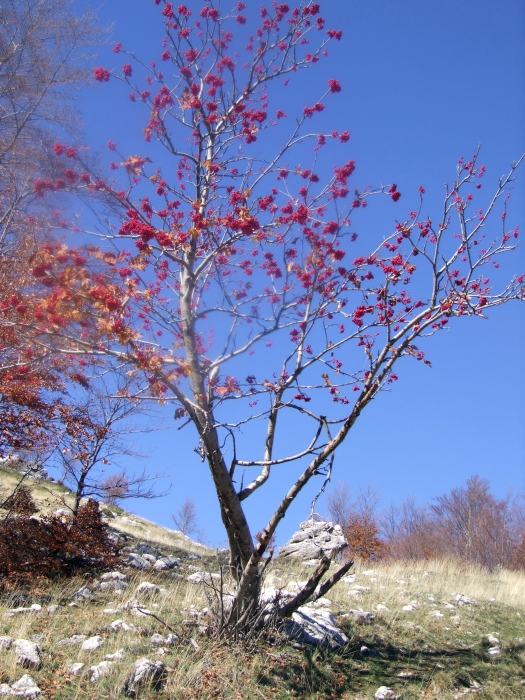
x=361 y=617
x=144 y=672
x=74 y=668
x=202 y=577
x=120 y=654
x=148 y=588
x=138 y=562
x=83 y=593
x=315 y=539
x=114 y=576
x=101 y=669
x=92 y=643
x=490 y=640
x=25 y=688
x=19 y=611
x=316 y=627
x=5 y=642
x=380 y=607
x=124 y=626
x=113 y=585
x=462 y=600
x=385 y=693
x=52 y=608
x=27 y=653
x=167 y=562
x=75 y=639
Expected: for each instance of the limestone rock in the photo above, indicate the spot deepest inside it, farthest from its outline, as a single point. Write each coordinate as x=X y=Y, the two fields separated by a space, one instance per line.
x=315 y=626
x=75 y=639
x=5 y=642
x=143 y=672
x=314 y=539
x=385 y=693
x=25 y=688
x=101 y=669
x=92 y=643
x=27 y=653
x=74 y=668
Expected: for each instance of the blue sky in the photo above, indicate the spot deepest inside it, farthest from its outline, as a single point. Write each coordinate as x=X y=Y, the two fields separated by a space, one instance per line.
x=423 y=84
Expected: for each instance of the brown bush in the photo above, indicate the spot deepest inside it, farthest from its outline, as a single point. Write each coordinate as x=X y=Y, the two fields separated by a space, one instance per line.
x=51 y=546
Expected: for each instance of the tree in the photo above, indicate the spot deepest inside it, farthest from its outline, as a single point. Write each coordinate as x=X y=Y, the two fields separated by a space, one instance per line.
x=185 y=518
x=96 y=436
x=42 y=47
x=237 y=249
x=357 y=518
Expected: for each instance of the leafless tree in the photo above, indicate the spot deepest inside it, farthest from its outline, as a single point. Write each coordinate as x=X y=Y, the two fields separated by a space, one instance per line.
x=185 y=518
x=97 y=437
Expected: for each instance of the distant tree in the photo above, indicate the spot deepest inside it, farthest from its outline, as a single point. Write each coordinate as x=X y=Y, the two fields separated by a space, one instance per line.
x=96 y=438
x=185 y=518
x=357 y=517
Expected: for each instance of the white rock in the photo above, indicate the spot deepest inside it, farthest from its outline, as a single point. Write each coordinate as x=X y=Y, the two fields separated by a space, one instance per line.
x=83 y=593
x=52 y=608
x=120 y=654
x=92 y=643
x=347 y=579
x=74 y=669
x=27 y=653
x=147 y=587
x=157 y=639
x=370 y=572
x=315 y=626
x=18 y=611
x=114 y=576
x=5 y=642
x=101 y=669
x=314 y=539
x=436 y=613
x=383 y=693
x=5 y=689
x=490 y=640
x=144 y=671
x=464 y=600
x=361 y=617
x=75 y=639
x=114 y=585
x=321 y=603
x=25 y=688
x=408 y=608
x=201 y=577
x=494 y=651
x=36 y=607
x=381 y=607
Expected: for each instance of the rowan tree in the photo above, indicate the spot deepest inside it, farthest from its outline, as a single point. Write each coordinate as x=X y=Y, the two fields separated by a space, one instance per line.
x=240 y=247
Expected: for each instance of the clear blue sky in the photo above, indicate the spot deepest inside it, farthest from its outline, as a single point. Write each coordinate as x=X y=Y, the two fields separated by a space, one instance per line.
x=423 y=84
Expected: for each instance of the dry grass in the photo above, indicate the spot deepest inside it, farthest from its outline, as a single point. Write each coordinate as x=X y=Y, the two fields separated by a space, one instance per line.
x=438 y=641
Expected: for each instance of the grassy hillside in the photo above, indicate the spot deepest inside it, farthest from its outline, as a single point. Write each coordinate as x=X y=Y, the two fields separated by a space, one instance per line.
x=427 y=639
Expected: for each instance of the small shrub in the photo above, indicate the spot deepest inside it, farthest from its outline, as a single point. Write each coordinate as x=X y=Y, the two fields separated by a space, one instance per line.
x=52 y=546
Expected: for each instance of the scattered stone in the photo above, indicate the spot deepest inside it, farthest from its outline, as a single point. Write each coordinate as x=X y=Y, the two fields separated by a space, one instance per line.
x=436 y=613
x=114 y=576
x=74 y=669
x=52 y=608
x=75 y=639
x=364 y=650
x=408 y=608
x=101 y=669
x=202 y=577
x=5 y=642
x=92 y=643
x=490 y=640
x=27 y=653
x=494 y=651
x=20 y=611
x=462 y=600
x=384 y=693
x=361 y=617
x=120 y=654
x=408 y=676
x=73 y=605
x=321 y=603
x=315 y=539
x=146 y=548
x=167 y=562
x=158 y=639
x=114 y=585
x=25 y=688
x=348 y=579
x=148 y=588
x=315 y=626
x=144 y=672
x=138 y=562
x=380 y=607
x=124 y=626
x=83 y=593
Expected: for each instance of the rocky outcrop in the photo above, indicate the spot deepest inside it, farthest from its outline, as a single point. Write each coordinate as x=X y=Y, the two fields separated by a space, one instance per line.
x=315 y=539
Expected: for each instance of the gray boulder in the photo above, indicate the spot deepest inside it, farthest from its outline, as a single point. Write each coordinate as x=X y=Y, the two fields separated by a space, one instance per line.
x=315 y=539
x=144 y=672
x=27 y=653
x=316 y=627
